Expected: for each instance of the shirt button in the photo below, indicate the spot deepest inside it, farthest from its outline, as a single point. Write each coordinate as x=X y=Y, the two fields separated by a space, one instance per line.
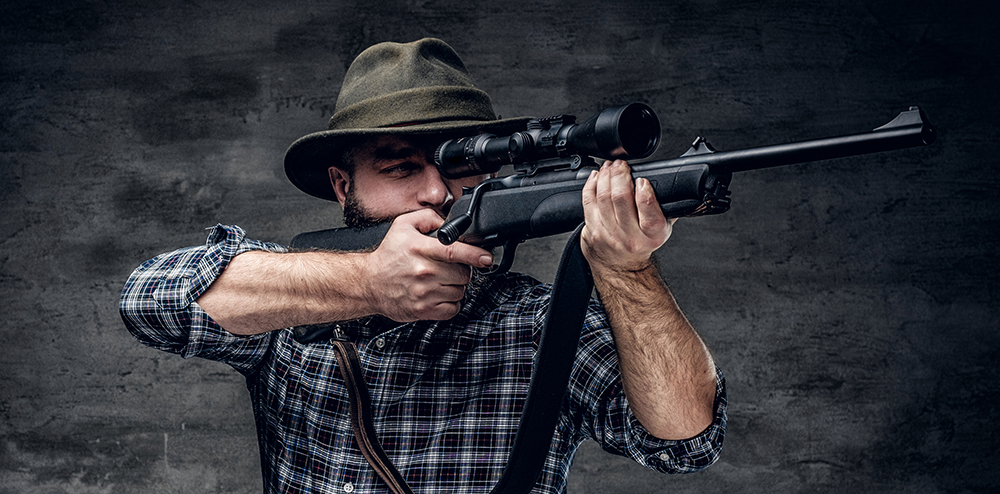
x=380 y=343
x=665 y=456
x=348 y=487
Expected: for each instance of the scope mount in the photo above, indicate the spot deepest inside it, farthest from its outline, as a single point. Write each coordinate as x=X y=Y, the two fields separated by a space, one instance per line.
x=529 y=169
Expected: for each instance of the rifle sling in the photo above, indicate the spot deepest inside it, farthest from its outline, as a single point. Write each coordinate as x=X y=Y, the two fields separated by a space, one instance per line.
x=551 y=370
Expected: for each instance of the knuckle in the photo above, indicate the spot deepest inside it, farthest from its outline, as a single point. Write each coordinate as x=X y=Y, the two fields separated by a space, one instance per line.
x=648 y=200
x=620 y=170
x=603 y=194
x=453 y=255
x=620 y=197
x=422 y=309
x=423 y=272
x=418 y=293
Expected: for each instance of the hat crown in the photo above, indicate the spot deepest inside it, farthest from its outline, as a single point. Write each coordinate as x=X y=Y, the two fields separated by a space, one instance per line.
x=391 y=84
x=386 y=68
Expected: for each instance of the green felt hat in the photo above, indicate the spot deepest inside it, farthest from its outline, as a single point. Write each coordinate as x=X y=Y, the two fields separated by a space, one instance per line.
x=396 y=89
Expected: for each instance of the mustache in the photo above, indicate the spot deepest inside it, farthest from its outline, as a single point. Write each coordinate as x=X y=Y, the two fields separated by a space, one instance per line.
x=356 y=215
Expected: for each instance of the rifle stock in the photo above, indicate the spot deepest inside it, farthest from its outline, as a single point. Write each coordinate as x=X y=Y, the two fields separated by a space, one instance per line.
x=530 y=205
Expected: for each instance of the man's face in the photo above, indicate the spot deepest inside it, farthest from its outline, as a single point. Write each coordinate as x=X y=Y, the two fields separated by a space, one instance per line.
x=394 y=175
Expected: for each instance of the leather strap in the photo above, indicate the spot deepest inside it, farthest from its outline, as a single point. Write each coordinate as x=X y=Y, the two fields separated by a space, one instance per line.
x=361 y=420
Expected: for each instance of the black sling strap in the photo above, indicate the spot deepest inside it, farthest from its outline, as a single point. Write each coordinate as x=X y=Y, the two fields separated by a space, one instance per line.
x=550 y=371
x=549 y=376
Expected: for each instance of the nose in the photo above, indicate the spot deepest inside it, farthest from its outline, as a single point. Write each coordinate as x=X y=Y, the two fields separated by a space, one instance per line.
x=435 y=192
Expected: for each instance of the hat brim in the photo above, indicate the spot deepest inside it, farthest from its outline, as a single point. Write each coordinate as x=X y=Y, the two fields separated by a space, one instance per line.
x=309 y=158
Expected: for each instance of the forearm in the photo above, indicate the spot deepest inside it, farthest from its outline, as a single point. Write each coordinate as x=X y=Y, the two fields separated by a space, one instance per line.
x=263 y=291
x=409 y=277
x=667 y=372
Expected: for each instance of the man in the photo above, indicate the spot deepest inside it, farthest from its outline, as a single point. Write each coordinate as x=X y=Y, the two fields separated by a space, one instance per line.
x=446 y=349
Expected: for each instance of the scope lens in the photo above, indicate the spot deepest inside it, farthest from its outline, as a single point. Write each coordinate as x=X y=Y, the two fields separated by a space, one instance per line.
x=639 y=130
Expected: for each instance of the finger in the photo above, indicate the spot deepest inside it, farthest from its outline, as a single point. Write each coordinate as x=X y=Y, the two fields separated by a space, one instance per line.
x=603 y=216
x=445 y=294
x=623 y=195
x=459 y=253
x=436 y=274
x=591 y=208
x=443 y=311
x=423 y=220
x=651 y=219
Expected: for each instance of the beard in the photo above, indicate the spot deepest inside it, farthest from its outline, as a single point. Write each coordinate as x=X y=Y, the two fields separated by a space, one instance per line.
x=358 y=216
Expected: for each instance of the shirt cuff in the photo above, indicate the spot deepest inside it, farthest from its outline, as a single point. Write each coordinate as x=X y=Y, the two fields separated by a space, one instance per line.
x=179 y=287
x=688 y=455
x=158 y=303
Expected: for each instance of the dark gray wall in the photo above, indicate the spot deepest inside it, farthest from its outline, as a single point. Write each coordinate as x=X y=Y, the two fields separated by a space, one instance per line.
x=851 y=303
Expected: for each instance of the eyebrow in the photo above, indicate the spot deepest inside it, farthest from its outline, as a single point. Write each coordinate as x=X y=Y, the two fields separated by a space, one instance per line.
x=390 y=153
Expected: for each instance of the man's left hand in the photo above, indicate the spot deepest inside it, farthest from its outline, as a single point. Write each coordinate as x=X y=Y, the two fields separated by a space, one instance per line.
x=624 y=223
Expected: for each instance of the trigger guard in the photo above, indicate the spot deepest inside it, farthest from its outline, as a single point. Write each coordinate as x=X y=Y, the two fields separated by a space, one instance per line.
x=509 y=250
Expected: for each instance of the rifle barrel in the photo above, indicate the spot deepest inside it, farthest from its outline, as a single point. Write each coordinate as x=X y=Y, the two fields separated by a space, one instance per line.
x=909 y=129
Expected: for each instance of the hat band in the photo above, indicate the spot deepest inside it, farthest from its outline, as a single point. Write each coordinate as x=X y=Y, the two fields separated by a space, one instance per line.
x=415 y=106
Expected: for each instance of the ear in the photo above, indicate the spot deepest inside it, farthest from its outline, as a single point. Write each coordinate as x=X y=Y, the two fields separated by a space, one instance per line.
x=341 y=182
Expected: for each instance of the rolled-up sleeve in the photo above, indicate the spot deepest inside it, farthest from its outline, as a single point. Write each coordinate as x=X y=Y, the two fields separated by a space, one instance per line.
x=606 y=416
x=158 y=303
x=685 y=456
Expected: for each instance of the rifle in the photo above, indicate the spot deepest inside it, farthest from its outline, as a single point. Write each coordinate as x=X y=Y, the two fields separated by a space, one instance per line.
x=544 y=197
x=544 y=194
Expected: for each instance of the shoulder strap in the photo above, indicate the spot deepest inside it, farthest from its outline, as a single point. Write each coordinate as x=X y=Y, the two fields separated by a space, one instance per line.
x=361 y=421
x=550 y=372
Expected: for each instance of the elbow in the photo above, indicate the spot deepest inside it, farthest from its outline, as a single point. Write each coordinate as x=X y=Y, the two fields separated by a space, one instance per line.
x=686 y=426
x=689 y=417
x=144 y=317
x=132 y=306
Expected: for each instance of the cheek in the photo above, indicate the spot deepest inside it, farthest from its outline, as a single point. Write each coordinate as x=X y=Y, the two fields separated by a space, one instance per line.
x=383 y=199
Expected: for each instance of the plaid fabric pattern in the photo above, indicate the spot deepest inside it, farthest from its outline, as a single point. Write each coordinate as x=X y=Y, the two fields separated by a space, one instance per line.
x=446 y=395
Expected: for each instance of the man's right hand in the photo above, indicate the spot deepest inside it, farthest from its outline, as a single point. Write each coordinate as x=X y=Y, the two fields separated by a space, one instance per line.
x=416 y=277
x=410 y=277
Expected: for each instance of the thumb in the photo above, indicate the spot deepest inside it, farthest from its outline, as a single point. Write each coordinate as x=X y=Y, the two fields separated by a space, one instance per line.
x=423 y=220
x=651 y=219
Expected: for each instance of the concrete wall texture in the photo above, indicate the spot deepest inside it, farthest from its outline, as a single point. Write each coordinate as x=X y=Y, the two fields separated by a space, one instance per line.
x=852 y=303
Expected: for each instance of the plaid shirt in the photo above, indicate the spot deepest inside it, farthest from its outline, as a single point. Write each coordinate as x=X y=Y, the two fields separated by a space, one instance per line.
x=446 y=395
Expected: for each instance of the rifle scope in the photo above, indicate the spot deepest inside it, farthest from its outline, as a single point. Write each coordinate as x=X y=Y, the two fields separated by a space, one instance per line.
x=626 y=132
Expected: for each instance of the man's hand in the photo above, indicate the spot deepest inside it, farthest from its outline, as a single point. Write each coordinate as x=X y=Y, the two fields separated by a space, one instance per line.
x=624 y=223
x=415 y=277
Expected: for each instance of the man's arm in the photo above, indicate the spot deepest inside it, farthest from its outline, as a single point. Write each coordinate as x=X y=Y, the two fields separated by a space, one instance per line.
x=409 y=277
x=667 y=372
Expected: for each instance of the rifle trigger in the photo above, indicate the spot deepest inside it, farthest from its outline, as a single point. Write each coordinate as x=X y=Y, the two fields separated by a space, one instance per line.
x=509 y=248
x=699 y=146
